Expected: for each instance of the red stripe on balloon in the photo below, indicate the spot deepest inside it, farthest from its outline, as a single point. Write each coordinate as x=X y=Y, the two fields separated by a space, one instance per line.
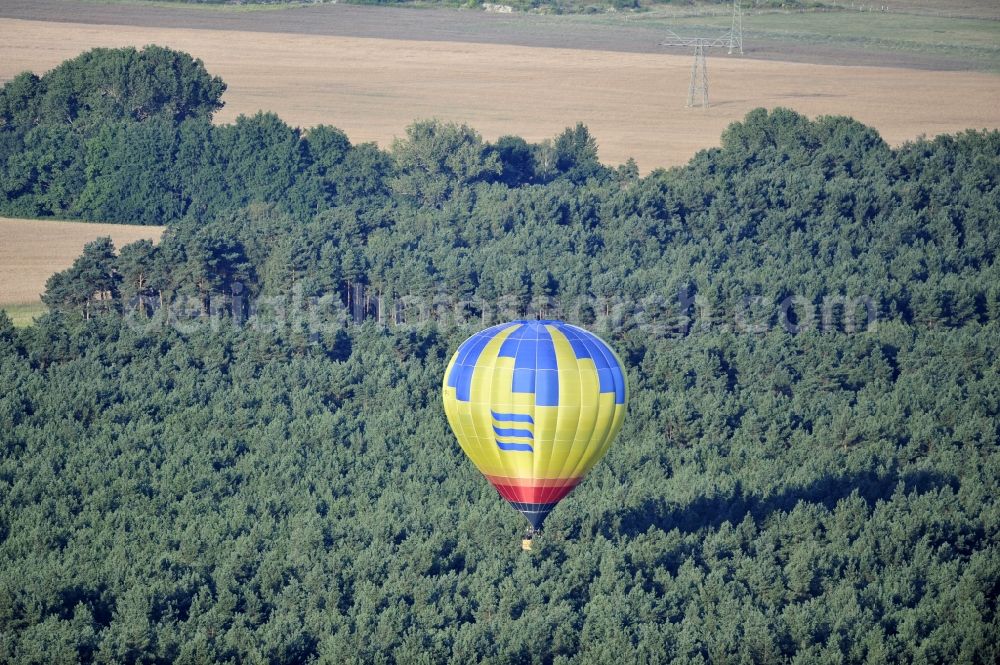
x=547 y=490
x=534 y=482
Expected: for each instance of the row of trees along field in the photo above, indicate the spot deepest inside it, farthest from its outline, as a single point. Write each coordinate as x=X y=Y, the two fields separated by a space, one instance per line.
x=196 y=487
x=547 y=6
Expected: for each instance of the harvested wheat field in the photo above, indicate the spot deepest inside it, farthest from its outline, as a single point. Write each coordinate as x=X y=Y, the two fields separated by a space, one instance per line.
x=31 y=250
x=634 y=103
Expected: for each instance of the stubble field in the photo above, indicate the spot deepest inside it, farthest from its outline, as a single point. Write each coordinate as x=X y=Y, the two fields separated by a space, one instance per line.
x=31 y=250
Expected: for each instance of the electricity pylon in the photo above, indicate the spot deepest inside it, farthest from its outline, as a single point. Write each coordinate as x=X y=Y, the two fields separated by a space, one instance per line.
x=736 y=29
x=699 y=84
x=733 y=40
x=699 y=69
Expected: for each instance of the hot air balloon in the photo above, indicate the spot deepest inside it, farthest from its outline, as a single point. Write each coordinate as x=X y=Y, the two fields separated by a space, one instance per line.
x=535 y=405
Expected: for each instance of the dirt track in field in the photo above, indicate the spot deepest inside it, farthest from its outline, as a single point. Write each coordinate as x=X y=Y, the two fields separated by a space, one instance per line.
x=622 y=32
x=32 y=250
x=633 y=103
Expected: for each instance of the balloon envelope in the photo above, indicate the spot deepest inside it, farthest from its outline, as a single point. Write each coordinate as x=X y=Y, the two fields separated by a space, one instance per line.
x=535 y=404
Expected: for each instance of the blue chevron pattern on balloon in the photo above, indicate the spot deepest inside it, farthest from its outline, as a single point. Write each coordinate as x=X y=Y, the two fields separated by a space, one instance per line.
x=525 y=424
x=535 y=367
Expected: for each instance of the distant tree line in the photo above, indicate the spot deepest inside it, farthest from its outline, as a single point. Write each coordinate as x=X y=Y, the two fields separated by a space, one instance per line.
x=558 y=6
x=126 y=135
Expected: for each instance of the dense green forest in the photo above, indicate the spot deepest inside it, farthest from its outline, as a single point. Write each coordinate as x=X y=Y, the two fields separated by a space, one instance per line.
x=229 y=447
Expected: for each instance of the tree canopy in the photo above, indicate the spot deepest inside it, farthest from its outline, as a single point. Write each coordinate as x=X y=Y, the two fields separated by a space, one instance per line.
x=229 y=446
